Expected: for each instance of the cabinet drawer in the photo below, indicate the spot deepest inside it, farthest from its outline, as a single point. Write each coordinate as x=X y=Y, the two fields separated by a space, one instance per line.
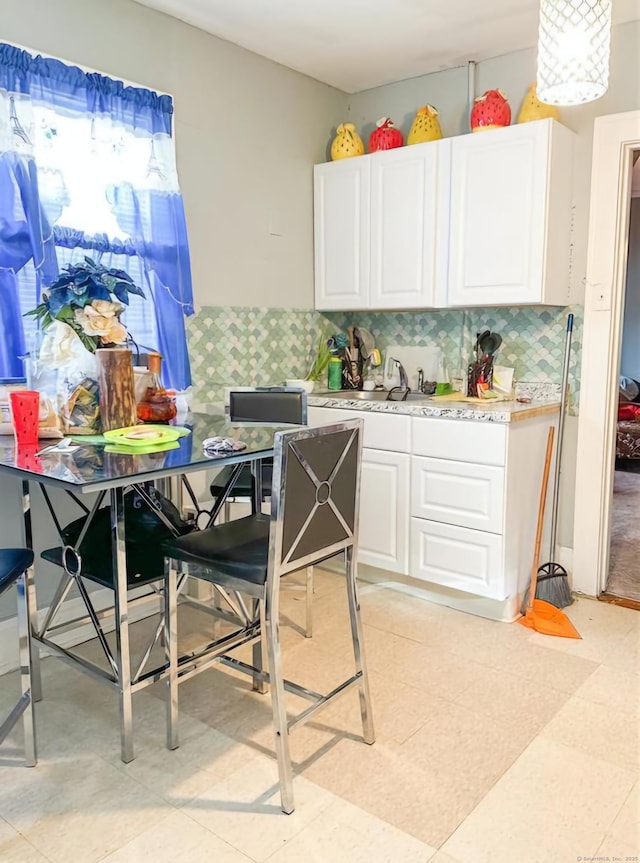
x=456 y=492
x=456 y=557
x=381 y=431
x=470 y=441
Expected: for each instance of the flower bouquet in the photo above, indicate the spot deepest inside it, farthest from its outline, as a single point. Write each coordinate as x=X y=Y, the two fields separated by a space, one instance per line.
x=79 y=313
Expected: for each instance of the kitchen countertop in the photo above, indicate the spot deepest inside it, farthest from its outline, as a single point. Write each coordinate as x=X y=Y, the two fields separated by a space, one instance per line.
x=446 y=407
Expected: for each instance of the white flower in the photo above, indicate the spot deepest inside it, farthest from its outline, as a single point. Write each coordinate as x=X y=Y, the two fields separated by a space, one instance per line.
x=100 y=319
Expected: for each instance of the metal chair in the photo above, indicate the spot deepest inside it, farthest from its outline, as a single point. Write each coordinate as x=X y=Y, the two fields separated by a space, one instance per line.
x=258 y=404
x=270 y=405
x=16 y=568
x=314 y=515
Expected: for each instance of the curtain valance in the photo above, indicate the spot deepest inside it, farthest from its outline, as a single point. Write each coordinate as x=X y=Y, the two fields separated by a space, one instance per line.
x=69 y=89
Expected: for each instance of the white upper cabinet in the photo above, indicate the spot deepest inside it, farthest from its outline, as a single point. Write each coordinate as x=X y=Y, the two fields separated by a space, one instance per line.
x=341 y=232
x=407 y=187
x=341 y=229
x=380 y=229
x=510 y=216
x=477 y=220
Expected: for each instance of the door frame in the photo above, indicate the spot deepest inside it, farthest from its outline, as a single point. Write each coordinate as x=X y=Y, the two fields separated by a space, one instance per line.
x=615 y=138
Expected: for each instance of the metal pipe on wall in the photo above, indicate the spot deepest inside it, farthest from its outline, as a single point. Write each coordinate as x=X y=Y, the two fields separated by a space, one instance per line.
x=471 y=89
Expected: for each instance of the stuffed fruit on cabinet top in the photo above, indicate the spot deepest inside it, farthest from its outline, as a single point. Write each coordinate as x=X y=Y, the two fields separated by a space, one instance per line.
x=347 y=142
x=425 y=127
x=385 y=136
x=490 y=111
x=533 y=109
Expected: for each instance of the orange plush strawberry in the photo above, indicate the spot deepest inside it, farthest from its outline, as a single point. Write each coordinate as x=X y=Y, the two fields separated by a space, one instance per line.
x=385 y=136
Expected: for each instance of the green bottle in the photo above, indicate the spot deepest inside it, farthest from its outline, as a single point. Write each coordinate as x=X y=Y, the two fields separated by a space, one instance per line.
x=335 y=373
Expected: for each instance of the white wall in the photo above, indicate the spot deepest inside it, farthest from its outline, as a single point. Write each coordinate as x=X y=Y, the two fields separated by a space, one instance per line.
x=247 y=130
x=630 y=361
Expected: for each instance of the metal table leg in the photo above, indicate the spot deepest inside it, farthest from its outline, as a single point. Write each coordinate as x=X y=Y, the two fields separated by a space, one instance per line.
x=123 y=659
x=30 y=596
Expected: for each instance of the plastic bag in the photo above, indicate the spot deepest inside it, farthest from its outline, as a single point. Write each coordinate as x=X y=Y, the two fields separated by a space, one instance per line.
x=144 y=534
x=66 y=375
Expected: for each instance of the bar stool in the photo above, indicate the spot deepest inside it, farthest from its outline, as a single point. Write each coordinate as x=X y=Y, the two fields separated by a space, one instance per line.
x=314 y=515
x=276 y=405
x=15 y=568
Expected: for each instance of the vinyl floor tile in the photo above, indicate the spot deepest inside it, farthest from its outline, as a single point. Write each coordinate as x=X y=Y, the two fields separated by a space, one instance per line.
x=494 y=745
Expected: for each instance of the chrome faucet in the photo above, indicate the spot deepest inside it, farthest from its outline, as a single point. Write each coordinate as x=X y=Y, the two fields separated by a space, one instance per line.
x=420 y=380
x=404 y=380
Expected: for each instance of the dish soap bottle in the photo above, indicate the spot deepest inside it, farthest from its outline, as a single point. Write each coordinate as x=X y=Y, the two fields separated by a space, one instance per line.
x=156 y=405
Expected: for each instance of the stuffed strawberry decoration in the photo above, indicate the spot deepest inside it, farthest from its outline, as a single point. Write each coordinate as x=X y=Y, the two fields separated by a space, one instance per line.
x=490 y=111
x=385 y=136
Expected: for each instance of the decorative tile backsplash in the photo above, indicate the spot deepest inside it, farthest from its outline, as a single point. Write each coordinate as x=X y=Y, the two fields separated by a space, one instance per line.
x=261 y=346
x=234 y=345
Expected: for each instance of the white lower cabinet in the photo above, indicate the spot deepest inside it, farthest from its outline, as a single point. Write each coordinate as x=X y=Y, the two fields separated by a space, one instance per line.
x=452 y=556
x=383 y=539
x=384 y=510
x=451 y=503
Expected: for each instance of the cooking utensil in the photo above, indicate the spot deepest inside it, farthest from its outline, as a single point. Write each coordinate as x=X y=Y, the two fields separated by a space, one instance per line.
x=479 y=338
x=367 y=341
x=490 y=343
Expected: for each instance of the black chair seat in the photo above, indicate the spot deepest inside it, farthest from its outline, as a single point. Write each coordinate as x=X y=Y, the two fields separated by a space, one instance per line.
x=239 y=549
x=103 y=574
x=244 y=484
x=13 y=562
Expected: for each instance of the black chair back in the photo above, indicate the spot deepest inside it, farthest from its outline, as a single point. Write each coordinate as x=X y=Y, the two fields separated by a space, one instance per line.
x=267 y=404
x=315 y=494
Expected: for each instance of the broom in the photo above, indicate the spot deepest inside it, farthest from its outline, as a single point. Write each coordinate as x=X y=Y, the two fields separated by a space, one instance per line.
x=536 y=614
x=553 y=580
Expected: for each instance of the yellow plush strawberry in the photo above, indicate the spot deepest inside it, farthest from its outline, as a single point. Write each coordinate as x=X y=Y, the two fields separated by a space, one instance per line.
x=426 y=126
x=533 y=109
x=347 y=142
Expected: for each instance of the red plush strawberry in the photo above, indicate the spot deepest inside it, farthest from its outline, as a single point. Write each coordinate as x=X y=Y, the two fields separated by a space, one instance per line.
x=490 y=111
x=385 y=136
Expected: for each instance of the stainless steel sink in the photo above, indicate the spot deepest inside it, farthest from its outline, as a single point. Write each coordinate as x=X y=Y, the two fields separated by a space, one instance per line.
x=361 y=395
x=376 y=396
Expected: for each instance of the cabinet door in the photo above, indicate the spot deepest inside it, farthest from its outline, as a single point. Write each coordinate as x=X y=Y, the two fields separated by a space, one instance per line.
x=383 y=538
x=404 y=207
x=498 y=216
x=341 y=234
x=469 y=560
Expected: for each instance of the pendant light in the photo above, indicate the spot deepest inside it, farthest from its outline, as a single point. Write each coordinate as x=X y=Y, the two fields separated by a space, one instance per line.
x=573 y=51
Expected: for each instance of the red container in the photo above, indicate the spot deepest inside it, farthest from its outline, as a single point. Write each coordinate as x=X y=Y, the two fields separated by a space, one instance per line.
x=25 y=414
x=27 y=457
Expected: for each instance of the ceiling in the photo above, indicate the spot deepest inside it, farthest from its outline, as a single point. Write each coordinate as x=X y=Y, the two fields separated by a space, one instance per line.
x=358 y=44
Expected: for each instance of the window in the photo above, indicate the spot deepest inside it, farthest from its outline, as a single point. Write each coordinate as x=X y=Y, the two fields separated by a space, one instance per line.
x=87 y=167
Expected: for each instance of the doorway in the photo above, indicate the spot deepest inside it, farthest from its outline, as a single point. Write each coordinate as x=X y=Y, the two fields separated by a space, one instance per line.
x=623 y=576
x=616 y=141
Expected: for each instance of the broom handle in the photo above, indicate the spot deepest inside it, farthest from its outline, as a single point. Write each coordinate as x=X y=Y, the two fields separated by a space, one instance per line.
x=563 y=405
x=541 y=508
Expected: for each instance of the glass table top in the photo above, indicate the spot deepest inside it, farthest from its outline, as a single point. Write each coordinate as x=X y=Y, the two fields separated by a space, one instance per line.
x=92 y=467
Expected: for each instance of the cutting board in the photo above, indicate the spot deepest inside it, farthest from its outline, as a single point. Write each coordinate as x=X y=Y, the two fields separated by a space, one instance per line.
x=459 y=397
x=412 y=358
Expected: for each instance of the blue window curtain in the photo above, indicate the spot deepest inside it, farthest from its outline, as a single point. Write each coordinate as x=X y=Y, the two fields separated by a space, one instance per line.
x=60 y=121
